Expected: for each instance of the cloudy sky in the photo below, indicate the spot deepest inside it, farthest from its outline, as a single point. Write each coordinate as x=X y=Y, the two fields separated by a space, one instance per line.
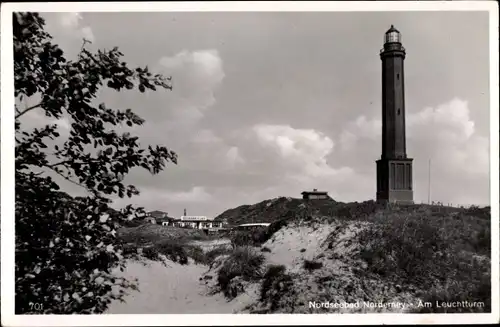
x=271 y=104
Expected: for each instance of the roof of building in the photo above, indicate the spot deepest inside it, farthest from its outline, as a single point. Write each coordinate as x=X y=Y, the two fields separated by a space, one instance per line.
x=254 y=224
x=315 y=192
x=195 y=218
x=392 y=29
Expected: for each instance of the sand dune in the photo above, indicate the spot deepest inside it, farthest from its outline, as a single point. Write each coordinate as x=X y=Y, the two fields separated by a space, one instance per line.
x=173 y=289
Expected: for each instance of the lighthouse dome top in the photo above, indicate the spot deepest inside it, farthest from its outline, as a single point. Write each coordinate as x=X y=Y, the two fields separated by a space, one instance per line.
x=392 y=35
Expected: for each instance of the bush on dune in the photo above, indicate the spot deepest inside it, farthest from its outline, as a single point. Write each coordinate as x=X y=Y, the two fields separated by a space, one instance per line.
x=257 y=236
x=478 y=291
x=243 y=262
x=176 y=251
x=276 y=282
x=151 y=233
x=216 y=252
x=252 y=237
x=172 y=250
x=431 y=250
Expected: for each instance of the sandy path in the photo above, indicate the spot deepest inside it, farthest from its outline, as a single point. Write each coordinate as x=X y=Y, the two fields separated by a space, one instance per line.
x=174 y=289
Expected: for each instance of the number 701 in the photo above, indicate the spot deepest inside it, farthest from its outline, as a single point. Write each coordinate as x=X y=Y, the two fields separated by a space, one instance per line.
x=36 y=306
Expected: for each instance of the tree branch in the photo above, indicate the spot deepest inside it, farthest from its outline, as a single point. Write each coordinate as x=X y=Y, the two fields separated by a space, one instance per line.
x=59 y=163
x=68 y=179
x=28 y=109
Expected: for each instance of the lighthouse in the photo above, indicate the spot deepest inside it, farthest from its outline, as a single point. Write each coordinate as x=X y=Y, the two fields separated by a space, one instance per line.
x=394 y=168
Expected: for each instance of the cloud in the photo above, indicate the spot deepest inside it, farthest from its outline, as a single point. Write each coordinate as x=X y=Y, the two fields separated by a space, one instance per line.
x=214 y=151
x=335 y=95
x=205 y=136
x=447 y=135
x=361 y=128
x=305 y=151
x=196 y=194
x=195 y=77
x=233 y=157
x=158 y=198
x=68 y=30
x=72 y=23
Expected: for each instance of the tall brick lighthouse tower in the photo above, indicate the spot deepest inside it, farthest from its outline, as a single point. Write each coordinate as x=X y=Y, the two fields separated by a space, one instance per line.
x=394 y=169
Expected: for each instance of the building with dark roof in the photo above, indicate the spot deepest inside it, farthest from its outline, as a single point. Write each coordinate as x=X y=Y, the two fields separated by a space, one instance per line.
x=315 y=195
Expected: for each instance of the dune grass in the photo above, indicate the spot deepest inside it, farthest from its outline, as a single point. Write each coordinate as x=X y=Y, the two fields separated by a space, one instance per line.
x=243 y=262
x=442 y=253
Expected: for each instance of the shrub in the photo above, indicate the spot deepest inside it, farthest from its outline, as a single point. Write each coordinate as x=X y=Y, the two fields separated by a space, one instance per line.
x=276 y=282
x=150 y=253
x=472 y=290
x=272 y=229
x=170 y=249
x=475 y=211
x=215 y=252
x=355 y=210
x=251 y=237
x=404 y=247
x=312 y=265
x=433 y=250
x=132 y=223
x=196 y=253
x=244 y=262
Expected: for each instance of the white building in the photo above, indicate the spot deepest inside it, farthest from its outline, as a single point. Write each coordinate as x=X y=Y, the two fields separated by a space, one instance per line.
x=199 y=222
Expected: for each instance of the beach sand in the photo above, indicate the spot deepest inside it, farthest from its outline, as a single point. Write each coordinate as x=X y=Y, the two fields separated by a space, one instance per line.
x=173 y=289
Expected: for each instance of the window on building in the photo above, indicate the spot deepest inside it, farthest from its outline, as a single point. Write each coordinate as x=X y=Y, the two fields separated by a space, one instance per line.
x=397 y=76
x=399 y=111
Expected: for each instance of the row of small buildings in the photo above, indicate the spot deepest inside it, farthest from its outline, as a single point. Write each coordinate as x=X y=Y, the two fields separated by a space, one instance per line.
x=185 y=221
x=203 y=222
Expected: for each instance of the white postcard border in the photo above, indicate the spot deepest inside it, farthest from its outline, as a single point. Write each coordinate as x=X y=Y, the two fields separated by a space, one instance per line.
x=8 y=162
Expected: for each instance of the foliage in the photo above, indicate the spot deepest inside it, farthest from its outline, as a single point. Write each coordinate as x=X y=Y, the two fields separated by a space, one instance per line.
x=445 y=255
x=476 y=211
x=312 y=265
x=151 y=233
x=353 y=210
x=66 y=246
x=216 y=252
x=474 y=289
x=276 y=282
x=250 y=237
x=173 y=251
x=196 y=253
x=273 y=228
x=265 y=211
x=132 y=223
x=243 y=262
